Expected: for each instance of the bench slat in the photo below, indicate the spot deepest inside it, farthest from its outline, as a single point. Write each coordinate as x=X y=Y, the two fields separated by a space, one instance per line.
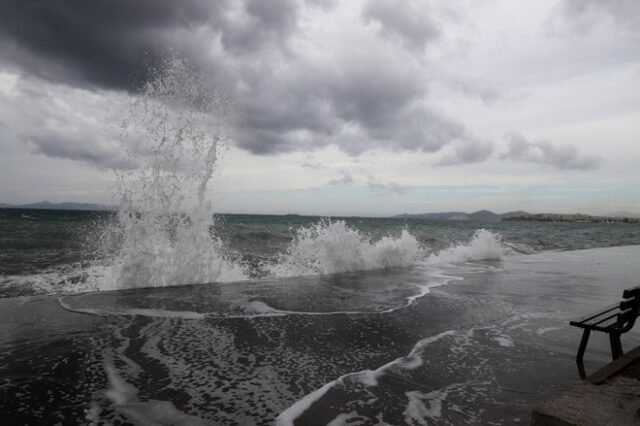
x=593 y=315
x=606 y=326
x=602 y=322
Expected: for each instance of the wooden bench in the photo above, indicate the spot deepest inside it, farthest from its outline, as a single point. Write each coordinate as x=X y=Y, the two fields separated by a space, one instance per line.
x=613 y=320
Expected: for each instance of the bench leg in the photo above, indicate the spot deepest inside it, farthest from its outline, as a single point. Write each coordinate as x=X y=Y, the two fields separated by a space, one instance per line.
x=616 y=346
x=583 y=344
x=581 y=371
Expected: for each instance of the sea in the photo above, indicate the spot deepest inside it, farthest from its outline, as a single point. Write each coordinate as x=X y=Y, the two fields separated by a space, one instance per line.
x=63 y=251
x=165 y=312
x=303 y=320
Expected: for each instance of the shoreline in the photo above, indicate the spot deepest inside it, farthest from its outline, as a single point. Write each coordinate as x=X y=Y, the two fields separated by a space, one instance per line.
x=571 y=218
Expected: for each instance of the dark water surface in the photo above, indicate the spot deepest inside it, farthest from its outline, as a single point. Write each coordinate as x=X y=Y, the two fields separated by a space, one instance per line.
x=350 y=348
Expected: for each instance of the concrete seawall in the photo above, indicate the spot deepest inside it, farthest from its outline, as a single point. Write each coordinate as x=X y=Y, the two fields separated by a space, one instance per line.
x=611 y=396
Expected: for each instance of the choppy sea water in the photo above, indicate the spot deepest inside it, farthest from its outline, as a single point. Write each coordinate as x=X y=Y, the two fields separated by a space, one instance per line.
x=352 y=321
x=59 y=252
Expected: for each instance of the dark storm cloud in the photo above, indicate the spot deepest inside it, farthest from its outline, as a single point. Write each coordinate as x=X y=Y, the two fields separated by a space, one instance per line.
x=560 y=156
x=106 y=42
x=97 y=42
x=263 y=20
x=369 y=96
x=360 y=105
x=411 y=22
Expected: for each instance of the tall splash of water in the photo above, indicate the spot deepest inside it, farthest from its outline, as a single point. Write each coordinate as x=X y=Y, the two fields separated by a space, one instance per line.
x=175 y=129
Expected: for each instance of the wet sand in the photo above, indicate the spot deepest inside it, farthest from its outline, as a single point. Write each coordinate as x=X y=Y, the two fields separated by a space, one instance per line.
x=348 y=349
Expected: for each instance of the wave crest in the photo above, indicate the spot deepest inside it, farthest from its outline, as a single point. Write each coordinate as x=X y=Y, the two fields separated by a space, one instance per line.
x=332 y=247
x=484 y=245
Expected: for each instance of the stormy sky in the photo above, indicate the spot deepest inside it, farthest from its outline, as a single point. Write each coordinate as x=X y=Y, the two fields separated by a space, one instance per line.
x=368 y=107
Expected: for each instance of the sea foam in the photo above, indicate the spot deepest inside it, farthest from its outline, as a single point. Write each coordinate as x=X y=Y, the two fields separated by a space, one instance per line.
x=484 y=245
x=330 y=247
x=327 y=247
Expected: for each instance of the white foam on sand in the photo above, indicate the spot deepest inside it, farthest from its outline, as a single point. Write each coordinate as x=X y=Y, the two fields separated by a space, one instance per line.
x=156 y=313
x=417 y=409
x=347 y=419
x=504 y=341
x=258 y=308
x=123 y=397
x=365 y=377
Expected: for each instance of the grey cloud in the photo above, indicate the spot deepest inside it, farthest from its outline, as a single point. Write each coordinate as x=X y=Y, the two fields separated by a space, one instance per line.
x=259 y=22
x=284 y=101
x=99 y=42
x=467 y=151
x=583 y=15
x=61 y=123
x=80 y=149
x=358 y=106
x=323 y=4
x=478 y=89
x=377 y=188
x=380 y=189
x=311 y=165
x=560 y=156
x=106 y=42
x=411 y=22
x=372 y=102
x=346 y=179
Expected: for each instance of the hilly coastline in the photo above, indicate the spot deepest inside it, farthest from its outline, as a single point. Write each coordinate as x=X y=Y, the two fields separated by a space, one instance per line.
x=479 y=215
x=46 y=205
x=522 y=216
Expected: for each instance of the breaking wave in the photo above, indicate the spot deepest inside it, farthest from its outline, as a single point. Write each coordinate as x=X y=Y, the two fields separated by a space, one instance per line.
x=327 y=247
x=484 y=245
x=332 y=247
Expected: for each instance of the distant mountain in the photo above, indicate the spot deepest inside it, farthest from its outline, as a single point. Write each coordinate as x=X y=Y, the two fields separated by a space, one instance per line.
x=46 y=205
x=480 y=215
x=484 y=215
